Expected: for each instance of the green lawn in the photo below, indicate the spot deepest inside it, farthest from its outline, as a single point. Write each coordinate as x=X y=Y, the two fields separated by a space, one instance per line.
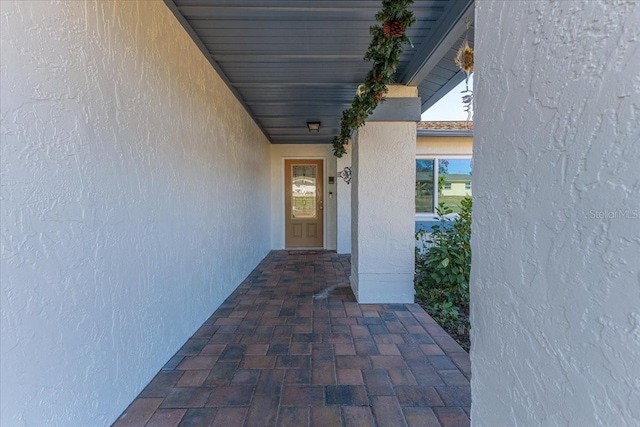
x=452 y=202
x=424 y=203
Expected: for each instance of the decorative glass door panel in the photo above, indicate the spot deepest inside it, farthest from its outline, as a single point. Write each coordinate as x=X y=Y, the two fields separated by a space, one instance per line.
x=303 y=191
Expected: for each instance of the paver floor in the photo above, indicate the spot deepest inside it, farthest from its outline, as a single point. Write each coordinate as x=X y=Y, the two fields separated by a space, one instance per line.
x=292 y=347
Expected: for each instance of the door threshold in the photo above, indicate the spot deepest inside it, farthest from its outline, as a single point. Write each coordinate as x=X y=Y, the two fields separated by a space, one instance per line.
x=305 y=249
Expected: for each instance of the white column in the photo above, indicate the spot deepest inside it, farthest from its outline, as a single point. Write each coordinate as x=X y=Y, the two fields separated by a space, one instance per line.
x=344 y=206
x=555 y=280
x=382 y=201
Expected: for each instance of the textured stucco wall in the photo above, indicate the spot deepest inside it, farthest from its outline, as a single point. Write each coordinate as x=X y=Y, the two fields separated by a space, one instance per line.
x=343 y=232
x=382 y=212
x=135 y=198
x=280 y=152
x=555 y=286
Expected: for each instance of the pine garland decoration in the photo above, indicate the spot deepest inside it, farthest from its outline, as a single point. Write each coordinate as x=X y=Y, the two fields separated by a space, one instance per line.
x=385 y=49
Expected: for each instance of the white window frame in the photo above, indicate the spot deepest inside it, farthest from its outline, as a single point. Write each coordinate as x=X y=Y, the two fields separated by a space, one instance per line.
x=428 y=216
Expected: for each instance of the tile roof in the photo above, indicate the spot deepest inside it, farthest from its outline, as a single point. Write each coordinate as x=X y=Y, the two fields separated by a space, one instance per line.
x=460 y=125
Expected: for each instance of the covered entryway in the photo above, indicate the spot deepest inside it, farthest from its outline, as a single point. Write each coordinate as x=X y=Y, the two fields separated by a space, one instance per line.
x=136 y=194
x=142 y=152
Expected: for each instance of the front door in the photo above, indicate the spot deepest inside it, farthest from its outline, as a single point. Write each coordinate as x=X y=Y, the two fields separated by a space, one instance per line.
x=303 y=206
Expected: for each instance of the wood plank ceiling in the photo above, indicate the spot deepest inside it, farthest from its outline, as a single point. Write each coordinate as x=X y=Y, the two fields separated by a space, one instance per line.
x=291 y=61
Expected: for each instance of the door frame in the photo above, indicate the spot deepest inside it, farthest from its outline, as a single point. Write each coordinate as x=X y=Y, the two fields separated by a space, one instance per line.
x=324 y=197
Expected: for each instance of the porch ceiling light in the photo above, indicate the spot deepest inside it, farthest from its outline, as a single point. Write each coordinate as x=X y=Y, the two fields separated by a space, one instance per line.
x=314 y=127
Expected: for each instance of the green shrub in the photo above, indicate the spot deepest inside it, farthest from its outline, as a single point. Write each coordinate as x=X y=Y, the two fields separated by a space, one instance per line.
x=443 y=266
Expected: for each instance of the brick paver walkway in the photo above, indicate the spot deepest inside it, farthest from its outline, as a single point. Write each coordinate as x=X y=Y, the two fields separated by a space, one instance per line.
x=272 y=354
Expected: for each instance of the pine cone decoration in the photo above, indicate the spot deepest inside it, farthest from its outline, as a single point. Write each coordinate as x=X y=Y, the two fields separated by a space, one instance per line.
x=386 y=30
x=393 y=29
x=378 y=96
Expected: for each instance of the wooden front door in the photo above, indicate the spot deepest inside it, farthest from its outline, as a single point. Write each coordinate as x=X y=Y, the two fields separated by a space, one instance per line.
x=303 y=206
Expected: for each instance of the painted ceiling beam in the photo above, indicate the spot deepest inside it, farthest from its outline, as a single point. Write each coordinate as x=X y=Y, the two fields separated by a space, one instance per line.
x=448 y=87
x=439 y=42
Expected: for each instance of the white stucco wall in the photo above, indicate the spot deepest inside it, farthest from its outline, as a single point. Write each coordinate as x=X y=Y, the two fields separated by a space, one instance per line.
x=382 y=212
x=131 y=183
x=555 y=281
x=280 y=152
x=343 y=237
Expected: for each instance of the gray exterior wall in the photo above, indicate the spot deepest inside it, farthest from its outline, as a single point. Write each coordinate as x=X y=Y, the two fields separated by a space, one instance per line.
x=555 y=288
x=135 y=198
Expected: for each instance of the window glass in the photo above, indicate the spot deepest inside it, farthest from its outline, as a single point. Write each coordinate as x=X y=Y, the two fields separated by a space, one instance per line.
x=303 y=191
x=424 y=185
x=454 y=182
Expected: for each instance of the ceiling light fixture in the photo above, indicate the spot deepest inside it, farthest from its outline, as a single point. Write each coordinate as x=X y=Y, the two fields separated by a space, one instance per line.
x=314 y=127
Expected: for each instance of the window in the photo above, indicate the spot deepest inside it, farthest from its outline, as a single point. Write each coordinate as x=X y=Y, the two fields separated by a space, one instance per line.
x=424 y=185
x=442 y=180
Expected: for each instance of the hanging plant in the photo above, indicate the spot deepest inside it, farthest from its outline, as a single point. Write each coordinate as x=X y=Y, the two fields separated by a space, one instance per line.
x=384 y=50
x=464 y=60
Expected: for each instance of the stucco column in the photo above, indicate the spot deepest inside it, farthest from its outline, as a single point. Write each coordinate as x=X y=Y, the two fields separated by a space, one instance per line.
x=382 y=200
x=555 y=278
x=344 y=206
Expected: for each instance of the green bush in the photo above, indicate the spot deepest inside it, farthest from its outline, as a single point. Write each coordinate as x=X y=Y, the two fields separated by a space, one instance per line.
x=443 y=265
